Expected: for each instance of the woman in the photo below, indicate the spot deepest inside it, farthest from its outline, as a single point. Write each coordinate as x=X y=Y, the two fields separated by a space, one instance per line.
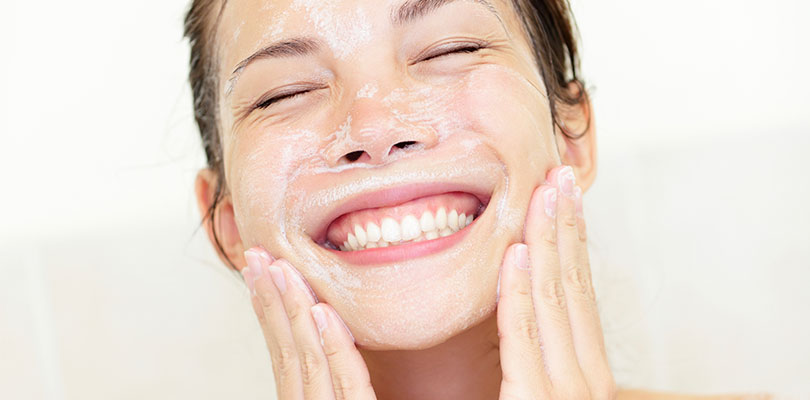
x=400 y=184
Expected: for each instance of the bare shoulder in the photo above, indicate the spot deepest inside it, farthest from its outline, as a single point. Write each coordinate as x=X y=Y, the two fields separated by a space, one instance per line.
x=627 y=394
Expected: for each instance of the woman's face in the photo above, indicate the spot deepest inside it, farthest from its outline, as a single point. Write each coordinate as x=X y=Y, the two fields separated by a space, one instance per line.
x=376 y=118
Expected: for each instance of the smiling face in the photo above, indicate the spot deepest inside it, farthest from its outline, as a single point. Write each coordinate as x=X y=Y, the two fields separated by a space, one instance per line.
x=387 y=150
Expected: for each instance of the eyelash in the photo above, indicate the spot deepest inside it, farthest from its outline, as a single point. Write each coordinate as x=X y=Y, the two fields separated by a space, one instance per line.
x=286 y=96
x=467 y=48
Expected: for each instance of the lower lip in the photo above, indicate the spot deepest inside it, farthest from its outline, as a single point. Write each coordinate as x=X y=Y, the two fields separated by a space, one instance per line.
x=402 y=252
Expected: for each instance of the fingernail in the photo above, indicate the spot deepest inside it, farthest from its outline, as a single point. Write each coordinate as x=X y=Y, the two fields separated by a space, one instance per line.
x=266 y=256
x=254 y=263
x=253 y=270
x=278 y=278
x=521 y=256
x=566 y=180
x=320 y=319
x=299 y=281
x=578 y=200
x=550 y=202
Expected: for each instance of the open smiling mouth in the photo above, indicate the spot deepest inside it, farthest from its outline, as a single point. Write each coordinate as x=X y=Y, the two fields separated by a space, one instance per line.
x=401 y=223
x=424 y=219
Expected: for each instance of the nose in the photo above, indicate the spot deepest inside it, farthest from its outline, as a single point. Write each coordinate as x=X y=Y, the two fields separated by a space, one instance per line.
x=372 y=134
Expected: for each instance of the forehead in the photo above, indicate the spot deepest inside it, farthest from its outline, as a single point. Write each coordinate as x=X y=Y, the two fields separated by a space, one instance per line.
x=247 y=25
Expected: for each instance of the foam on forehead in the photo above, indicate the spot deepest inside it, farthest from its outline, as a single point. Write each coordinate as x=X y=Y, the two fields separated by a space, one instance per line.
x=343 y=30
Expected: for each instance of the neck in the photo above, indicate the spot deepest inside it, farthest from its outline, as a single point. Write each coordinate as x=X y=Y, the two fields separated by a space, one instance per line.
x=466 y=366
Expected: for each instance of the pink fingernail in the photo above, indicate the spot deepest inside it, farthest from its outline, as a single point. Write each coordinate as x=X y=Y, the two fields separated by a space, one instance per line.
x=566 y=180
x=299 y=281
x=521 y=256
x=266 y=256
x=578 y=200
x=320 y=319
x=253 y=270
x=254 y=263
x=278 y=278
x=550 y=202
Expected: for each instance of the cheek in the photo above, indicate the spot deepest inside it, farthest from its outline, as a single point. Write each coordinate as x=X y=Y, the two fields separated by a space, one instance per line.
x=512 y=113
x=263 y=166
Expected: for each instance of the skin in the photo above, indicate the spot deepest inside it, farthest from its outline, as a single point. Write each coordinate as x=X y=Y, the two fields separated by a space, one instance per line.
x=391 y=331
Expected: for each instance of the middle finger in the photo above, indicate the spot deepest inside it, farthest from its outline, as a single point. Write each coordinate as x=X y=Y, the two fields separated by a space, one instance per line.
x=298 y=300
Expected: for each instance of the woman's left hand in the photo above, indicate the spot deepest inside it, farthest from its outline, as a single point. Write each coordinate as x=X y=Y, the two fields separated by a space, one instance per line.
x=551 y=343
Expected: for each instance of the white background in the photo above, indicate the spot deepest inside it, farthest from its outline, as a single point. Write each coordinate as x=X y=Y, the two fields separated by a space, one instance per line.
x=699 y=222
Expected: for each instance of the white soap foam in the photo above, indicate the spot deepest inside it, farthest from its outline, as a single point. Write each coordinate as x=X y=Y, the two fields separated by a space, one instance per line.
x=367 y=91
x=343 y=31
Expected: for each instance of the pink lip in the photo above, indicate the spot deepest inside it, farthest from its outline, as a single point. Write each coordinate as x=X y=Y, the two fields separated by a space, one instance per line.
x=401 y=252
x=395 y=196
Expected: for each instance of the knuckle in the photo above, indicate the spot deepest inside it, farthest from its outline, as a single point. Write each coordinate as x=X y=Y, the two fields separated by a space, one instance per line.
x=286 y=355
x=522 y=290
x=549 y=240
x=579 y=282
x=265 y=296
x=330 y=351
x=568 y=220
x=294 y=312
x=310 y=367
x=285 y=363
x=346 y=387
x=553 y=295
x=526 y=328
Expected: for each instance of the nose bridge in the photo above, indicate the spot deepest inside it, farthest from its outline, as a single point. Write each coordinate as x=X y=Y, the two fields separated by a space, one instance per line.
x=372 y=132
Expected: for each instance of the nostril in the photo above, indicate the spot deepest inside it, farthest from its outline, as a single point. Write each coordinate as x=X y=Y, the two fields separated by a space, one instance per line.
x=355 y=155
x=406 y=144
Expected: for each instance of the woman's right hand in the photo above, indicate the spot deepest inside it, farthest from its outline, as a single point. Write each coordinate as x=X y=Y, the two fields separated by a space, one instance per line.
x=313 y=353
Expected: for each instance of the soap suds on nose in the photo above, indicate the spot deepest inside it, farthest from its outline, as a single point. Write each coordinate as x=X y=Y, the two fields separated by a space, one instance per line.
x=368 y=91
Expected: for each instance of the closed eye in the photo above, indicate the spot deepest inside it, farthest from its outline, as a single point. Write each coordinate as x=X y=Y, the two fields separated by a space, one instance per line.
x=464 y=48
x=261 y=104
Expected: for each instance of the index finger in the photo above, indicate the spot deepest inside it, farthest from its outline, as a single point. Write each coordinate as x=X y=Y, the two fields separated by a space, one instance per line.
x=575 y=272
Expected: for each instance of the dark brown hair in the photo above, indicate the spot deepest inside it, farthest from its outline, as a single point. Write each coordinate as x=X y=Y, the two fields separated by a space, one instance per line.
x=548 y=24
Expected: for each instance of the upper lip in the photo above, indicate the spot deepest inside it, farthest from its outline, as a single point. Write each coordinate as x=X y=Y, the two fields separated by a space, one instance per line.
x=317 y=219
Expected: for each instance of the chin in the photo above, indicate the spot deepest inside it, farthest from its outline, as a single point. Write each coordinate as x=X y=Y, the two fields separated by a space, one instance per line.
x=437 y=319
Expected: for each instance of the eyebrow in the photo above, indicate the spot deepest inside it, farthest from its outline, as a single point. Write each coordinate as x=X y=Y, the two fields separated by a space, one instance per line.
x=302 y=46
x=288 y=48
x=295 y=47
x=415 y=9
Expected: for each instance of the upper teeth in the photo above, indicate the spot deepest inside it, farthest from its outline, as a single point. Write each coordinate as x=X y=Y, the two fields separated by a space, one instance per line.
x=409 y=229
